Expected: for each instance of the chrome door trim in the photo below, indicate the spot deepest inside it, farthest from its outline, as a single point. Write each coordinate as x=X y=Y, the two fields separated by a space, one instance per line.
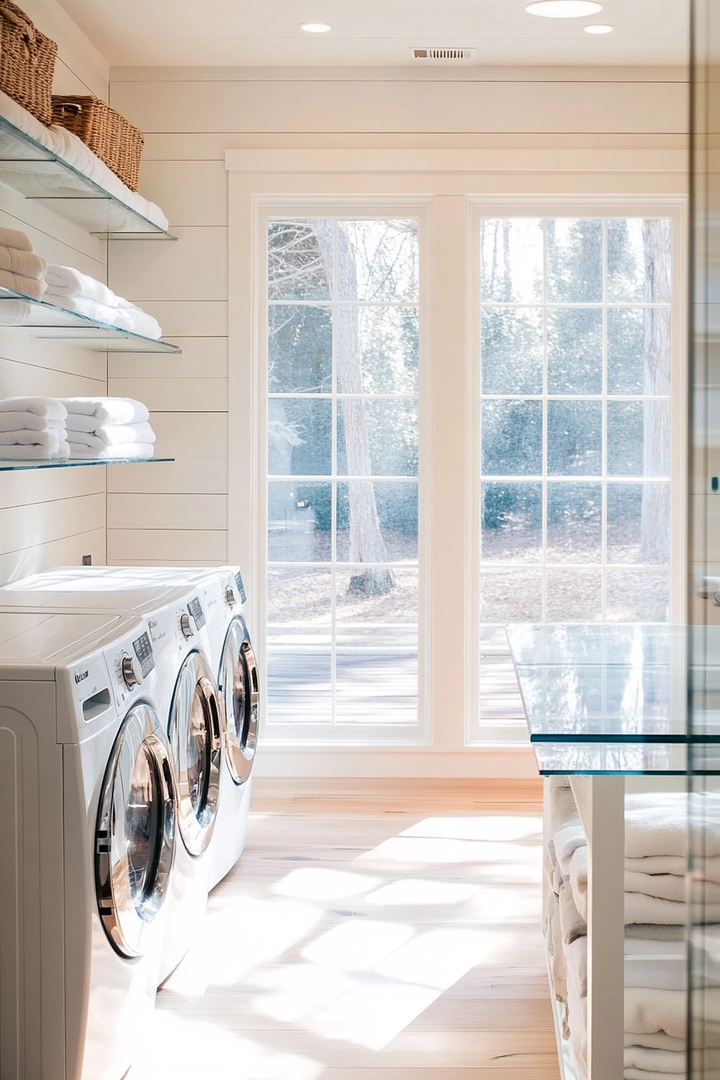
x=127 y=921
x=195 y=689
x=238 y=661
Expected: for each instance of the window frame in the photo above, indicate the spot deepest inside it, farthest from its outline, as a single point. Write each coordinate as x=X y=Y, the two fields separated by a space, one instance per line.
x=477 y=732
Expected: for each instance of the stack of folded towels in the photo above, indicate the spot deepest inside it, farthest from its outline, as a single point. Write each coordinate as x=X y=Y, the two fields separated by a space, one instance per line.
x=31 y=428
x=70 y=289
x=109 y=427
x=22 y=271
x=656 y=914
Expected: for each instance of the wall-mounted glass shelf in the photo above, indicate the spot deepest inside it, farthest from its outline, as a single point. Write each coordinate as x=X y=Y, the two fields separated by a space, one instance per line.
x=53 y=323
x=74 y=463
x=37 y=173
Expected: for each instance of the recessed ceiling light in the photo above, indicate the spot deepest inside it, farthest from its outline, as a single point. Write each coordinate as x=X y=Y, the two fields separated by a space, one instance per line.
x=564 y=9
x=316 y=27
x=599 y=28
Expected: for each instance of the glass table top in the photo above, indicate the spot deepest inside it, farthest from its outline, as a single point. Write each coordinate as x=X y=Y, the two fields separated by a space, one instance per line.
x=614 y=699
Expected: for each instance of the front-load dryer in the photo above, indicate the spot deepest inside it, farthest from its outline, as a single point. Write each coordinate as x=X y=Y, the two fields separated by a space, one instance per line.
x=88 y=810
x=189 y=706
x=232 y=658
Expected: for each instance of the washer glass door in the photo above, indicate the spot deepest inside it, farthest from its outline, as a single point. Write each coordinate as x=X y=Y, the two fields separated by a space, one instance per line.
x=239 y=689
x=135 y=833
x=194 y=731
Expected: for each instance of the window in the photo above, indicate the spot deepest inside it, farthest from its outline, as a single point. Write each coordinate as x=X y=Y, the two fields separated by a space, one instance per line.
x=343 y=467
x=575 y=432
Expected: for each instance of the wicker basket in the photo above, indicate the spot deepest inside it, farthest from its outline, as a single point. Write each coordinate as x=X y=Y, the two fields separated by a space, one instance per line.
x=27 y=62
x=105 y=131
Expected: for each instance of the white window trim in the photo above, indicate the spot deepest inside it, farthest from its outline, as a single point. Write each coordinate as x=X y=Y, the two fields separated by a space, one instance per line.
x=583 y=206
x=456 y=184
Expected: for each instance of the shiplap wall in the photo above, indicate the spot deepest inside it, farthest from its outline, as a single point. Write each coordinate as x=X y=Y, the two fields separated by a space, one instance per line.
x=55 y=516
x=178 y=513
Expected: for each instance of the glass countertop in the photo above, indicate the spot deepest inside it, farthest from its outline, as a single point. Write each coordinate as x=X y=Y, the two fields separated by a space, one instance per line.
x=37 y=173
x=614 y=699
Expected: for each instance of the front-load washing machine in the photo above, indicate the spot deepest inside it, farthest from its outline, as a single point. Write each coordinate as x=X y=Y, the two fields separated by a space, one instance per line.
x=88 y=811
x=189 y=706
x=232 y=658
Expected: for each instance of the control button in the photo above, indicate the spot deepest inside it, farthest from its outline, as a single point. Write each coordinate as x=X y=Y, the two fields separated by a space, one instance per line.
x=132 y=676
x=186 y=626
x=230 y=596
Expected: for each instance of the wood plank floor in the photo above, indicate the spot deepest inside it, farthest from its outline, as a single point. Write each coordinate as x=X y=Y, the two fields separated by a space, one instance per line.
x=373 y=930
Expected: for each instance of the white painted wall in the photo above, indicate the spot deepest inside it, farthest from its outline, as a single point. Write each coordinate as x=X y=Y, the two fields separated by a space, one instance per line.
x=55 y=516
x=586 y=122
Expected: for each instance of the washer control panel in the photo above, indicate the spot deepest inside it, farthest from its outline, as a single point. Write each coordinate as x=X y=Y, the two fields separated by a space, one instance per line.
x=196 y=610
x=240 y=587
x=130 y=663
x=144 y=652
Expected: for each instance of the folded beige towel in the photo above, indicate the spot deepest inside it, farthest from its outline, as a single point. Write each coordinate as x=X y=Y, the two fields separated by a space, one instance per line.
x=26 y=263
x=15 y=239
x=571 y=922
x=32 y=287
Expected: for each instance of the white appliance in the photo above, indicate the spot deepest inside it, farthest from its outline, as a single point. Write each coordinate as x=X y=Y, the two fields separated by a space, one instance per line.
x=87 y=839
x=232 y=658
x=189 y=708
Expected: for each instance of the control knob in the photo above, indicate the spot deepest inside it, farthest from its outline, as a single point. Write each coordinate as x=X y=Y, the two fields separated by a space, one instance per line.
x=131 y=673
x=186 y=625
x=230 y=596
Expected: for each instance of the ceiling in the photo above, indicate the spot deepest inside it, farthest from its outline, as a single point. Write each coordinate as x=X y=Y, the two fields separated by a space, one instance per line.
x=374 y=32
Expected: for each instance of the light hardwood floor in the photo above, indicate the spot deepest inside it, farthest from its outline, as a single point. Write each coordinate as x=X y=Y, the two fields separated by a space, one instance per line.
x=384 y=930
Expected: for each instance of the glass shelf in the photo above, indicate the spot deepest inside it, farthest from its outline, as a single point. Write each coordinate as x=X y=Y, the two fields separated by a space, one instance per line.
x=610 y=759
x=74 y=463
x=37 y=173
x=53 y=323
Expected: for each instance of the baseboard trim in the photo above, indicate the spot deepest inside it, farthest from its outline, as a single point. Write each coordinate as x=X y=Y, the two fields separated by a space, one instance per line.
x=422 y=762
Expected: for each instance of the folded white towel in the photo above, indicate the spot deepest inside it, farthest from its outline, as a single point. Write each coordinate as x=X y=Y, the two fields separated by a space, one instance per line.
x=659 y=1061
x=656 y=1040
x=124 y=450
x=51 y=438
x=708 y=869
x=112 y=435
x=27 y=421
x=108 y=410
x=567 y=840
x=28 y=286
x=658 y=825
x=137 y=321
x=31 y=453
x=13 y=238
x=639 y=907
x=26 y=263
x=82 y=305
x=668 y=886
x=648 y=1010
x=40 y=406
x=66 y=281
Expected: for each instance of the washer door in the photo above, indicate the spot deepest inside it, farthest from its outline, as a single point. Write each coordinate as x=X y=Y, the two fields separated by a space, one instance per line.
x=240 y=693
x=135 y=833
x=195 y=739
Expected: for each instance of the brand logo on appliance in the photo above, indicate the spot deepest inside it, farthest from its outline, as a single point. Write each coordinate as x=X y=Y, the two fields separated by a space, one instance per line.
x=81 y=675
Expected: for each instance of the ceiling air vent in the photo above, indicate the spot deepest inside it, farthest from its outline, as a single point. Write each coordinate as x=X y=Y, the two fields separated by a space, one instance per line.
x=444 y=55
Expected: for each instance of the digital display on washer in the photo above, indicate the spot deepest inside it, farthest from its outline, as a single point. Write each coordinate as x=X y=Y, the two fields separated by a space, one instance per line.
x=144 y=653
x=240 y=587
x=195 y=609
